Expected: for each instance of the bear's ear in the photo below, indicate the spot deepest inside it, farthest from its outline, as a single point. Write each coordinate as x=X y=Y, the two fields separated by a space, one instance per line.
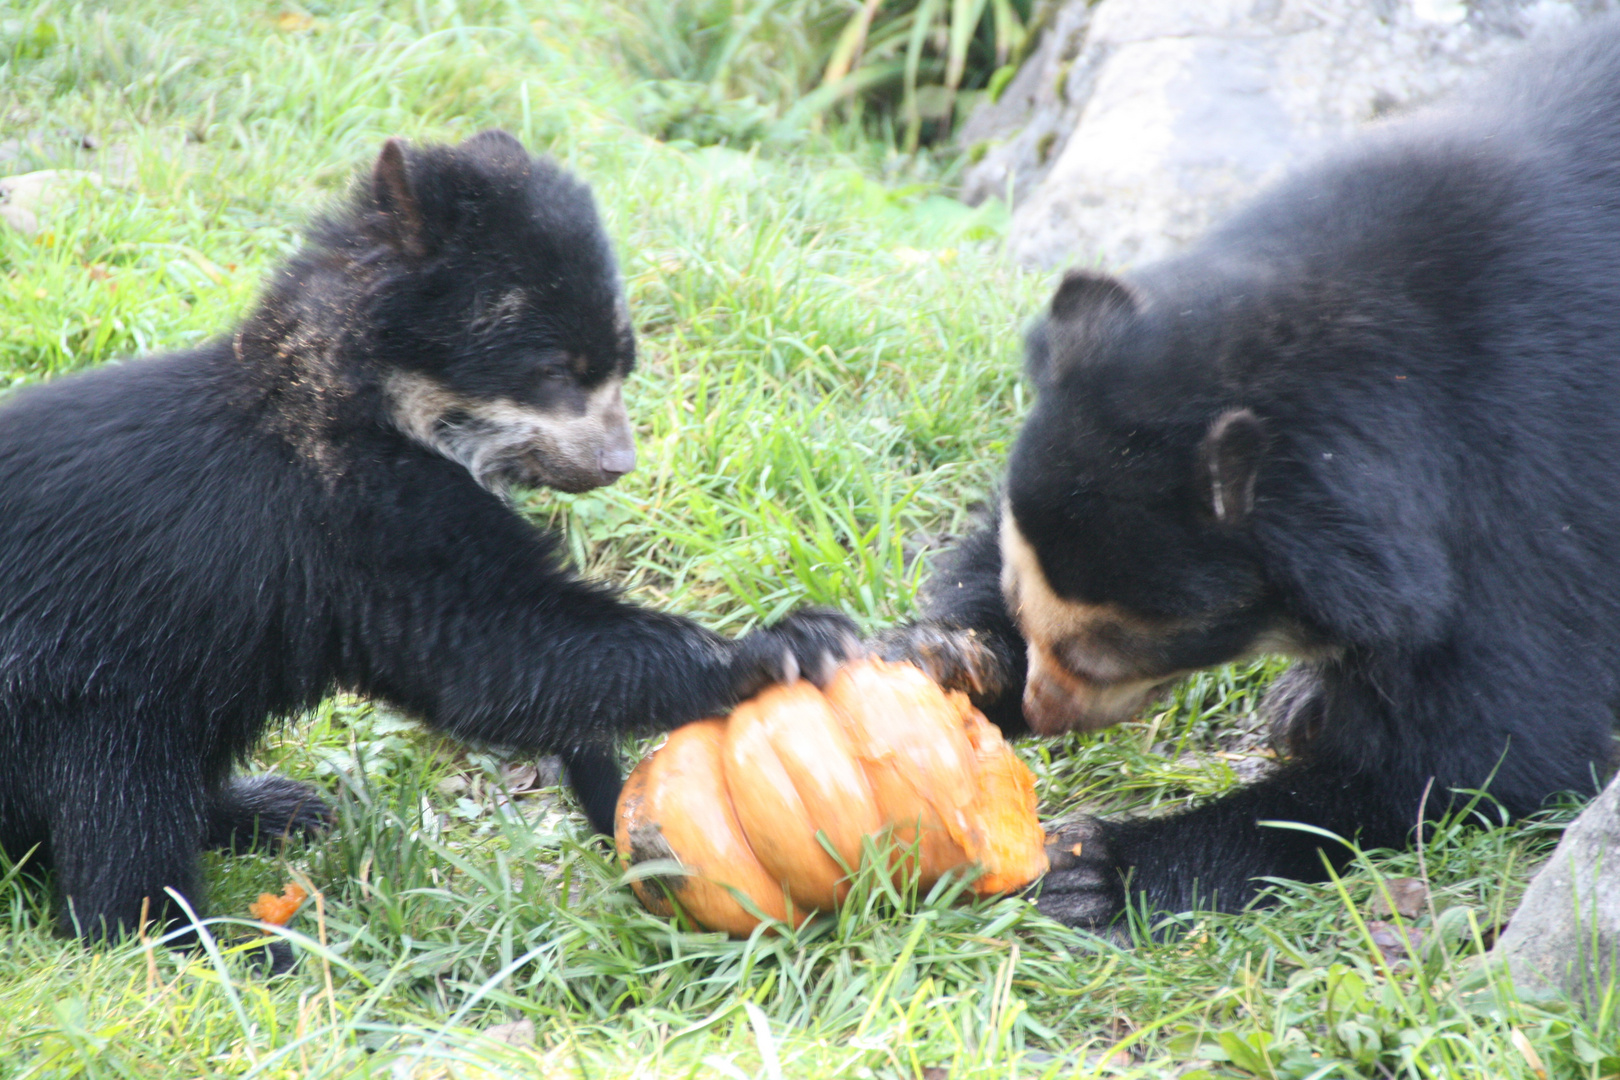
x=1084 y=296
x=497 y=144
x=391 y=187
x=1228 y=458
x=1038 y=352
x=1082 y=303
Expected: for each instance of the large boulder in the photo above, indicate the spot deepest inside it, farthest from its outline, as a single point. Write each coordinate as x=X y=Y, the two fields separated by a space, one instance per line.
x=1565 y=937
x=25 y=197
x=1137 y=122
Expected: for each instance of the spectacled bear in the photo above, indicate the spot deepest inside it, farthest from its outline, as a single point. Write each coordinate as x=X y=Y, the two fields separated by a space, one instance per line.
x=1371 y=422
x=194 y=544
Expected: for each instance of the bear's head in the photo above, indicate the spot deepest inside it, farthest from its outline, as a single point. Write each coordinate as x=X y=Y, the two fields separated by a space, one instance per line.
x=1128 y=557
x=471 y=293
x=519 y=339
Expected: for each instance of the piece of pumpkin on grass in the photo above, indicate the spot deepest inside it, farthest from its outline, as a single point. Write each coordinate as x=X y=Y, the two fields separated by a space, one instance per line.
x=278 y=910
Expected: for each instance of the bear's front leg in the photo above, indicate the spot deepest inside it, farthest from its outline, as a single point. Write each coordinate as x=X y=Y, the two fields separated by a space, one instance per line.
x=124 y=830
x=1214 y=856
x=1085 y=885
x=966 y=639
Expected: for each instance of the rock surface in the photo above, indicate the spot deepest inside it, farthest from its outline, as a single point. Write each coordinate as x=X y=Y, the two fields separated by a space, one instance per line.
x=23 y=198
x=1135 y=123
x=1566 y=933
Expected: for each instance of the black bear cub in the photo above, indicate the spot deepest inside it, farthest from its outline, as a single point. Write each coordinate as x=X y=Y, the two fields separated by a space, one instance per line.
x=1372 y=422
x=196 y=543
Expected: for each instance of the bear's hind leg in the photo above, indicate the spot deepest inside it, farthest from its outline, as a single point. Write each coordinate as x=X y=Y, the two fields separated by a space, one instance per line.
x=263 y=810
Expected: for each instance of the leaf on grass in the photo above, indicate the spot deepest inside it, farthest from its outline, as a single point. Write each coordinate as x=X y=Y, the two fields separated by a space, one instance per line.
x=1408 y=894
x=1521 y=1043
x=517 y=1033
x=521 y=778
x=1394 y=947
x=1251 y=1052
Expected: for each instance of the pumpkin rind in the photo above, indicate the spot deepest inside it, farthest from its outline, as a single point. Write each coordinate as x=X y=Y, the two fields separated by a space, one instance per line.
x=790 y=772
x=678 y=809
x=915 y=754
x=739 y=802
x=637 y=839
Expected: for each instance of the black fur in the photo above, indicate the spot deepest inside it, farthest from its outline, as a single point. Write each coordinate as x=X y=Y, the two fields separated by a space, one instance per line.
x=194 y=544
x=593 y=773
x=1374 y=419
x=968 y=640
x=257 y=811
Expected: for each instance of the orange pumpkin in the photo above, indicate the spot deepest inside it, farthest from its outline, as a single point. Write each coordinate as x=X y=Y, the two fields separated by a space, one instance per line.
x=777 y=801
x=908 y=737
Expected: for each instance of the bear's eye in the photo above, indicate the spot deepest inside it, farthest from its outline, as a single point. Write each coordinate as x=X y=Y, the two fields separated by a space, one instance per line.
x=553 y=368
x=559 y=368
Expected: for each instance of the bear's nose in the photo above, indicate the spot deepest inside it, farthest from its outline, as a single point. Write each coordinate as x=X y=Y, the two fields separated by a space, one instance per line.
x=616 y=463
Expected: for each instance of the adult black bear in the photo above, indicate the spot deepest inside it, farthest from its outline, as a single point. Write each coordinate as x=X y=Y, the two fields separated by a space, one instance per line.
x=1373 y=422
x=195 y=543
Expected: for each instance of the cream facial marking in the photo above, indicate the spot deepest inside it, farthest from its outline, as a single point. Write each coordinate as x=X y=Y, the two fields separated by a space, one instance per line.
x=1064 y=634
x=502 y=443
x=1056 y=699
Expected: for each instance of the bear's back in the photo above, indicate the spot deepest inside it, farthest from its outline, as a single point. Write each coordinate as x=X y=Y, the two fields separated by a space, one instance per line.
x=134 y=499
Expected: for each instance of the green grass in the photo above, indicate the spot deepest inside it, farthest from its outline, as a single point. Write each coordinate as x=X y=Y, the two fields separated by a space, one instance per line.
x=829 y=379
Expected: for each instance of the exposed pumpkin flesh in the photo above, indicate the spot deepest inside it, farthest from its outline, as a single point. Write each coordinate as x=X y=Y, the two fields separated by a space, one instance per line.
x=1012 y=848
x=278 y=910
x=674 y=806
x=791 y=773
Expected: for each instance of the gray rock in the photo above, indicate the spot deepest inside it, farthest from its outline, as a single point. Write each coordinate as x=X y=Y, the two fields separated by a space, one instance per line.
x=27 y=196
x=15 y=153
x=517 y=1033
x=1135 y=123
x=1023 y=132
x=1565 y=936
